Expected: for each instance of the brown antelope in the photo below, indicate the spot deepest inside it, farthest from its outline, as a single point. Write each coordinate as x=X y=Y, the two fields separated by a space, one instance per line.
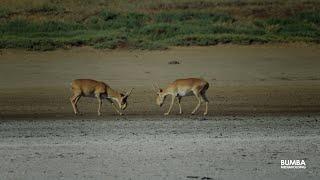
x=99 y=90
x=184 y=87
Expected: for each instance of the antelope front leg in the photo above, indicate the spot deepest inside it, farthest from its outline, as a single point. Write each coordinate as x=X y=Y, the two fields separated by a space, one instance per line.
x=100 y=103
x=179 y=100
x=74 y=100
x=206 y=111
x=169 y=110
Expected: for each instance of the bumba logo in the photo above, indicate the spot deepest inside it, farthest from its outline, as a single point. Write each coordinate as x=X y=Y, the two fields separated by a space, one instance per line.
x=293 y=164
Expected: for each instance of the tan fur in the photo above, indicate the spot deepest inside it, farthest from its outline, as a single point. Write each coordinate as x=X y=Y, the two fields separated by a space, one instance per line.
x=99 y=90
x=185 y=87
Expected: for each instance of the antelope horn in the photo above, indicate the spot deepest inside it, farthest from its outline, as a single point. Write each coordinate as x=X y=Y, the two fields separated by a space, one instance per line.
x=154 y=88
x=128 y=93
x=158 y=86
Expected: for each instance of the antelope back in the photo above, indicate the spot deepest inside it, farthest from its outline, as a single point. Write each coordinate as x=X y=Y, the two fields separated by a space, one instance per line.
x=88 y=86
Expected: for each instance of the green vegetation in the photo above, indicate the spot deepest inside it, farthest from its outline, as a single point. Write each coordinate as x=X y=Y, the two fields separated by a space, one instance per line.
x=143 y=24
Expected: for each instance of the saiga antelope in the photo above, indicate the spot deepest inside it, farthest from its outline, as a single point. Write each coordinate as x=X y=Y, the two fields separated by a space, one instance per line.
x=99 y=90
x=184 y=87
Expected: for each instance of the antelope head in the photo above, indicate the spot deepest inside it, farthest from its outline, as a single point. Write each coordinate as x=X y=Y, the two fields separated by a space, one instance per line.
x=123 y=99
x=160 y=95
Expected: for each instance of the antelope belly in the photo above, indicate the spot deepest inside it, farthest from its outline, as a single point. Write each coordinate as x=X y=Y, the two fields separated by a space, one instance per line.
x=185 y=93
x=89 y=95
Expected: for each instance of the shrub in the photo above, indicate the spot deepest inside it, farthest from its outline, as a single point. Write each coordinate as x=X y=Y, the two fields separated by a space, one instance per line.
x=160 y=31
x=309 y=16
x=110 y=42
x=174 y=16
x=20 y=25
x=205 y=40
x=46 y=8
x=108 y=15
x=4 y=12
x=135 y=20
x=37 y=44
x=147 y=44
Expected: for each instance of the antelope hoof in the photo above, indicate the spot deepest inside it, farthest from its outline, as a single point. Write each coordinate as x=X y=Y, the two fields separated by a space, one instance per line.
x=99 y=114
x=121 y=114
x=180 y=113
x=205 y=113
x=193 y=113
x=166 y=114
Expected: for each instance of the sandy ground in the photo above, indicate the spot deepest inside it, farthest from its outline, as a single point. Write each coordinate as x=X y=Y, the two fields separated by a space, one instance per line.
x=264 y=107
x=180 y=148
x=243 y=79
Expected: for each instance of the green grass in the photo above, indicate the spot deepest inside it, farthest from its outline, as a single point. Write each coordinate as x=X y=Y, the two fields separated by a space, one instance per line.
x=48 y=25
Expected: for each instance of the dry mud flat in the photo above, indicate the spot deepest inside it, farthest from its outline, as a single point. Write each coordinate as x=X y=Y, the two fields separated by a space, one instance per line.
x=223 y=147
x=243 y=79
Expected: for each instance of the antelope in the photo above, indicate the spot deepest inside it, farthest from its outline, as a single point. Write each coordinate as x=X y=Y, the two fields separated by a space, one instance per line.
x=99 y=90
x=184 y=87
